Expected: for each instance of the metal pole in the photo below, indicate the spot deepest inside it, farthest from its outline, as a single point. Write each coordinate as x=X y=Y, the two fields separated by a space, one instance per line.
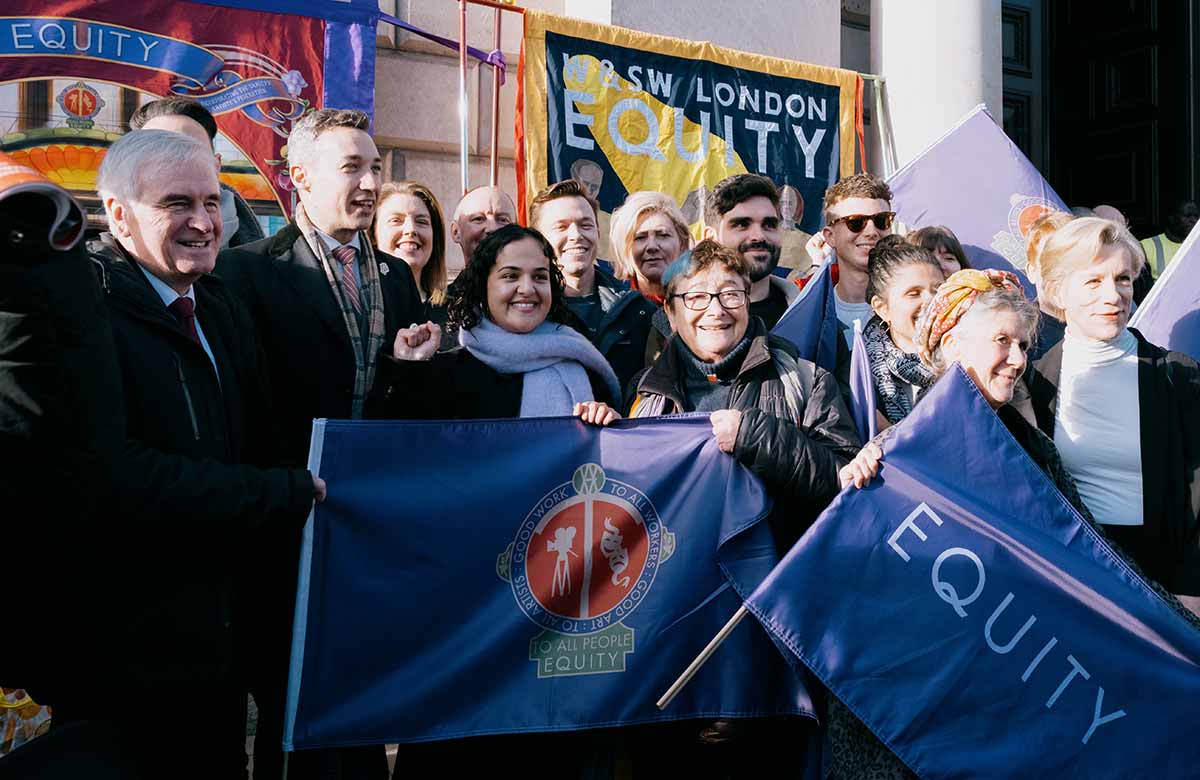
x=877 y=88
x=496 y=76
x=885 y=127
x=701 y=659
x=463 y=113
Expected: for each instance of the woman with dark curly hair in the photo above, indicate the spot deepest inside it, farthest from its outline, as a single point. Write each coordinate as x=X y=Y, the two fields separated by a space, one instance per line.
x=516 y=357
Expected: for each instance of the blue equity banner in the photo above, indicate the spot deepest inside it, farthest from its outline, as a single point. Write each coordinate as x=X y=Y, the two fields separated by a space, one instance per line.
x=975 y=181
x=973 y=621
x=503 y=576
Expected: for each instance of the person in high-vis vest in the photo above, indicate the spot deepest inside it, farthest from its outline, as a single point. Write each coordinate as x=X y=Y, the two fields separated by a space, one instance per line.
x=1161 y=249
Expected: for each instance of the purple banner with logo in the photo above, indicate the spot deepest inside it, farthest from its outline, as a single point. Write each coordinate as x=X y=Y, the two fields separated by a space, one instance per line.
x=975 y=181
x=504 y=576
x=963 y=610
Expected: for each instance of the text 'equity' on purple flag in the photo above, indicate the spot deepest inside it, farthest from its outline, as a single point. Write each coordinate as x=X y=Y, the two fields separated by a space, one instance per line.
x=965 y=612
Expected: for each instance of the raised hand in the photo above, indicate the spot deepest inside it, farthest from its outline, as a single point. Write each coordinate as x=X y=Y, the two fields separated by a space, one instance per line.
x=417 y=342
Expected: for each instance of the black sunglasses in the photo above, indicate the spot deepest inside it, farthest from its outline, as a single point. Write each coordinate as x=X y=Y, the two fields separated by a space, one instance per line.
x=856 y=222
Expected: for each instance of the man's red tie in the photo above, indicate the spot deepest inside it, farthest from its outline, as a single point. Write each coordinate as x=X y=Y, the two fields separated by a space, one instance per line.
x=346 y=256
x=185 y=311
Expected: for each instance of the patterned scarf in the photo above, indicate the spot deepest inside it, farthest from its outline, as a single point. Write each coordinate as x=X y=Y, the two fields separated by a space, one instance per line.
x=372 y=300
x=952 y=300
x=893 y=371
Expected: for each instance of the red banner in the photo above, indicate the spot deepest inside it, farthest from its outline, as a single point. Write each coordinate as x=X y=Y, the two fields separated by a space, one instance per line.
x=255 y=71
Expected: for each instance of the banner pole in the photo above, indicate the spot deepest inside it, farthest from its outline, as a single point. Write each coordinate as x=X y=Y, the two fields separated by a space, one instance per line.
x=463 y=113
x=886 y=133
x=497 y=76
x=701 y=659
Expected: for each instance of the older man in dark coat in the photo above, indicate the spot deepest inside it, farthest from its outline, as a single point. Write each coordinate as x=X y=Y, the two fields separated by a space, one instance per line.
x=155 y=607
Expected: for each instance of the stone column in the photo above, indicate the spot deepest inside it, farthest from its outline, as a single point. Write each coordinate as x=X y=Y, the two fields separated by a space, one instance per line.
x=941 y=58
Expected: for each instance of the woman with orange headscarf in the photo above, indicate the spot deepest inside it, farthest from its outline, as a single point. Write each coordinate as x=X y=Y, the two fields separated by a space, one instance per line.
x=982 y=321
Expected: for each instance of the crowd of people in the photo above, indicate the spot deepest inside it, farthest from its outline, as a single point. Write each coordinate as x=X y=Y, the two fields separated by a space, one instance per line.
x=227 y=344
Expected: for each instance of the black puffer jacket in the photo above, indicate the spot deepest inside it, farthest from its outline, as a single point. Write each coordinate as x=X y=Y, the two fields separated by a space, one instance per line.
x=795 y=434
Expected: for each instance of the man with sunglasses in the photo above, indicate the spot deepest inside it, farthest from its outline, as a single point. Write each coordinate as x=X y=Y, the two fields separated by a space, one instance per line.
x=858 y=212
x=743 y=215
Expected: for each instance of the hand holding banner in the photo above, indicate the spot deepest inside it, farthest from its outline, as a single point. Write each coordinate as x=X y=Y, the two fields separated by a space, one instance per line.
x=444 y=596
x=963 y=610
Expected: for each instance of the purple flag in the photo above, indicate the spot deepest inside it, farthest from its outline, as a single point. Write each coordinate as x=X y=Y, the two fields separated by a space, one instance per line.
x=1170 y=315
x=811 y=322
x=976 y=182
x=862 y=387
x=966 y=614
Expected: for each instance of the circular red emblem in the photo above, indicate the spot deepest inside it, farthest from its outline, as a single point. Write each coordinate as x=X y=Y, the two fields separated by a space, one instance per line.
x=585 y=557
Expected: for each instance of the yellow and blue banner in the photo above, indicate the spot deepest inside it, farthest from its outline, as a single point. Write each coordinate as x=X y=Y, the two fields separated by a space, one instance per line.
x=623 y=111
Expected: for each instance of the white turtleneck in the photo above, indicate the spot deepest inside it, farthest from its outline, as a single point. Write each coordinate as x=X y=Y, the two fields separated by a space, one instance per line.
x=1097 y=428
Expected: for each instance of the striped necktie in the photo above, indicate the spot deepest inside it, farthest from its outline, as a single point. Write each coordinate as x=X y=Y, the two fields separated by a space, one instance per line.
x=346 y=255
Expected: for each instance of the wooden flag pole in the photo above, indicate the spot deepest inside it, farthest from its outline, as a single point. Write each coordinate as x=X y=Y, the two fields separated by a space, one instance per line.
x=701 y=659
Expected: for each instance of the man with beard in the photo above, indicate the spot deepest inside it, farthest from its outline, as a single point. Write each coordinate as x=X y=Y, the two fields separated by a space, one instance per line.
x=743 y=215
x=858 y=212
x=614 y=318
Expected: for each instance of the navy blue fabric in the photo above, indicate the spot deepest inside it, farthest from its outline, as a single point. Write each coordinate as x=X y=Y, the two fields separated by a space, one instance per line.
x=416 y=620
x=862 y=389
x=811 y=322
x=991 y=644
x=340 y=10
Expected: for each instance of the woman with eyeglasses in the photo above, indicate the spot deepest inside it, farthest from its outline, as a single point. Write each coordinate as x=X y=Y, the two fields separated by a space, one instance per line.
x=780 y=416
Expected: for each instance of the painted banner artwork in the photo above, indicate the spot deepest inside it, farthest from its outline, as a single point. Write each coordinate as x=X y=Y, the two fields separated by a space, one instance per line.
x=255 y=64
x=623 y=111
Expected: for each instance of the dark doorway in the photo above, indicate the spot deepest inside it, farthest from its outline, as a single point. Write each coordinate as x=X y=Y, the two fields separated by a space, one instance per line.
x=1121 y=104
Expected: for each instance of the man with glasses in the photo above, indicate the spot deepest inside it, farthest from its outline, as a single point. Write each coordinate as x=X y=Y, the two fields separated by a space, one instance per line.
x=743 y=215
x=858 y=212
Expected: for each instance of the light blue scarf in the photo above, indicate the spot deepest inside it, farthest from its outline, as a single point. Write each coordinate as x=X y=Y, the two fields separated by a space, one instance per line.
x=553 y=359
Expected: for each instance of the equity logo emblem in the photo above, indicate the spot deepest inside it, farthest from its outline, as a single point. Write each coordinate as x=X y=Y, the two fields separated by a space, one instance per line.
x=583 y=560
x=1023 y=212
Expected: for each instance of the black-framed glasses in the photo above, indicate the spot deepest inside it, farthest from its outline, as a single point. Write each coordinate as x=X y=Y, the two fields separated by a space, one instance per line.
x=699 y=301
x=856 y=222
